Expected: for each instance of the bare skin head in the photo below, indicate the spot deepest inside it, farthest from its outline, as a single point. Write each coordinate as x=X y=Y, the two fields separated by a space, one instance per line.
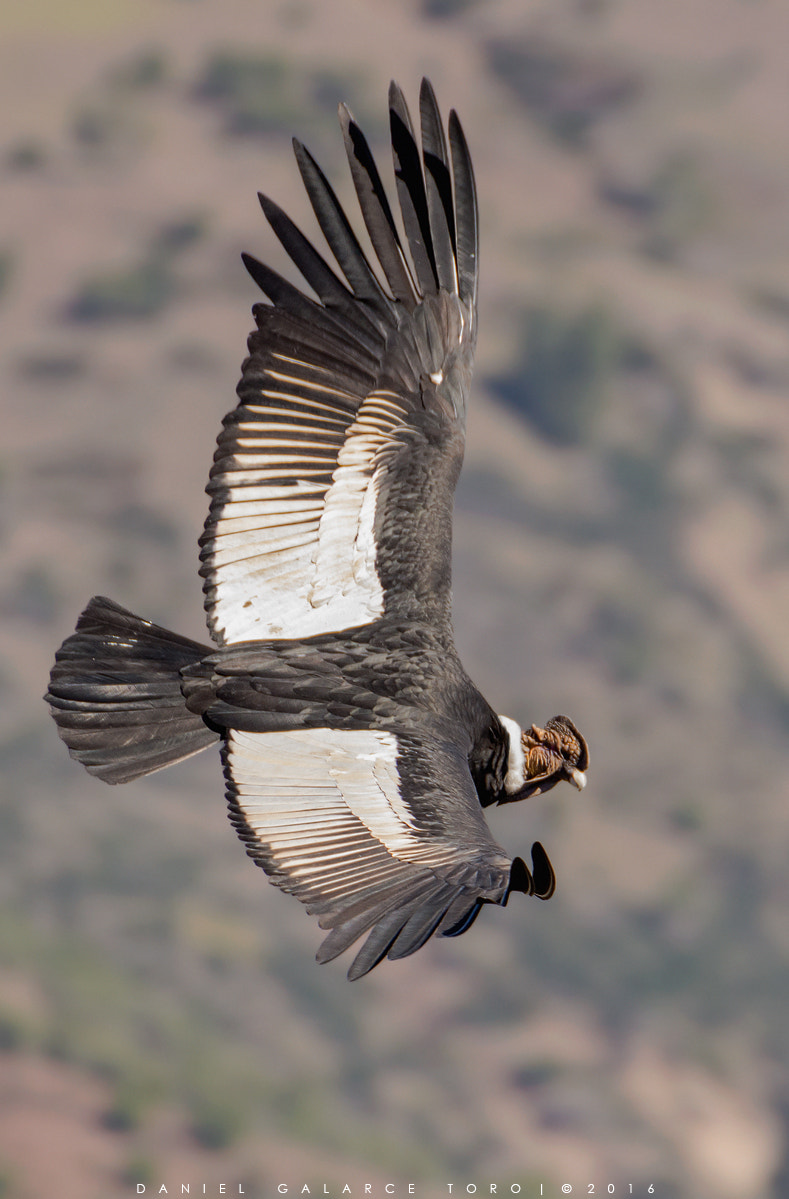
x=542 y=757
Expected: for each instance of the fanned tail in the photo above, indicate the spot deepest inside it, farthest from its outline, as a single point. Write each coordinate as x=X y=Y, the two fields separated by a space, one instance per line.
x=115 y=694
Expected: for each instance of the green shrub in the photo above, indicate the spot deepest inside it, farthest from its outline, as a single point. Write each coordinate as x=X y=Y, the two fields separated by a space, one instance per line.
x=6 y=269
x=217 y=1120
x=135 y=292
x=107 y=125
x=260 y=94
x=566 y=364
x=772 y=300
x=137 y=1169
x=446 y=8
x=48 y=366
x=34 y=596
x=129 y=1104
x=565 y=91
x=15 y=1032
x=680 y=204
x=146 y=69
x=257 y=93
x=26 y=155
x=178 y=235
x=623 y=639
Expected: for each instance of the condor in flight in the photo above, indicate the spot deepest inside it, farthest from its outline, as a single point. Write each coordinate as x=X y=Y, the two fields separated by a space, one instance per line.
x=357 y=752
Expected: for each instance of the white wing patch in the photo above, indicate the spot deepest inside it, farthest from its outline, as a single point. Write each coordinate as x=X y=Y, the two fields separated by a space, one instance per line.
x=290 y=551
x=323 y=804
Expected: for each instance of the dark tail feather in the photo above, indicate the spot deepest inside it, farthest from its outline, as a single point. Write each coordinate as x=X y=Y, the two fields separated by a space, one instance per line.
x=115 y=694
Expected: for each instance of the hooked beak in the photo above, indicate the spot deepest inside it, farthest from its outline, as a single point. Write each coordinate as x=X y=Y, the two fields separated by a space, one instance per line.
x=578 y=778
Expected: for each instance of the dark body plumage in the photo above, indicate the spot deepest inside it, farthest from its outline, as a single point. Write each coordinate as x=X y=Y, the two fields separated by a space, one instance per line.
x=357 y=752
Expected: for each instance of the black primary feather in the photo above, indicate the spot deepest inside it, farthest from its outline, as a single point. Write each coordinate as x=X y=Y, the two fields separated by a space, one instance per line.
x=411 y=191
x=467 y=232
x=439 y=189
x=376 y=212
x=341 y=238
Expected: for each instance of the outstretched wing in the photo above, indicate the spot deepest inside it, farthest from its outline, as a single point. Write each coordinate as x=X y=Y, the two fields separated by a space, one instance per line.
x=350 y=822
x=331 y=490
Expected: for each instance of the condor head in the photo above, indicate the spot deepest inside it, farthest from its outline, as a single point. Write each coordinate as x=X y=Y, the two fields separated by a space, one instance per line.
x=539 y=758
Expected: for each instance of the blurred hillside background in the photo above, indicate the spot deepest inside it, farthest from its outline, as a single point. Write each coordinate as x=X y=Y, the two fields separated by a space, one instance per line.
x=621 y=554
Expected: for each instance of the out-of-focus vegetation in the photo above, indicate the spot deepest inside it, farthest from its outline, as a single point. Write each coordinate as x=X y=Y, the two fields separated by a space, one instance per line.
x=6 y=269
x=266 y=93
x=566 y=91
x=258 y=93
x=110 y=121
x=140 y=290
x=444 y=9
x=674 y=204
x=26 y=155
x=564 y=372
x=620 y=554
x=144 y=70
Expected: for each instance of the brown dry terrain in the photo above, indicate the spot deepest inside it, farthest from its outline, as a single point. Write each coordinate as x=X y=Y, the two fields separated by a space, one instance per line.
x=621 y=553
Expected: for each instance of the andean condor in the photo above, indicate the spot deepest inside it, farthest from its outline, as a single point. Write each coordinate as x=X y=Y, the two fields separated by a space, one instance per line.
x=357 y=752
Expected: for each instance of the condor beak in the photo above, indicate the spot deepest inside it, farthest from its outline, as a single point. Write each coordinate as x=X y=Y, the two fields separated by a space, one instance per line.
x=578 y=778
